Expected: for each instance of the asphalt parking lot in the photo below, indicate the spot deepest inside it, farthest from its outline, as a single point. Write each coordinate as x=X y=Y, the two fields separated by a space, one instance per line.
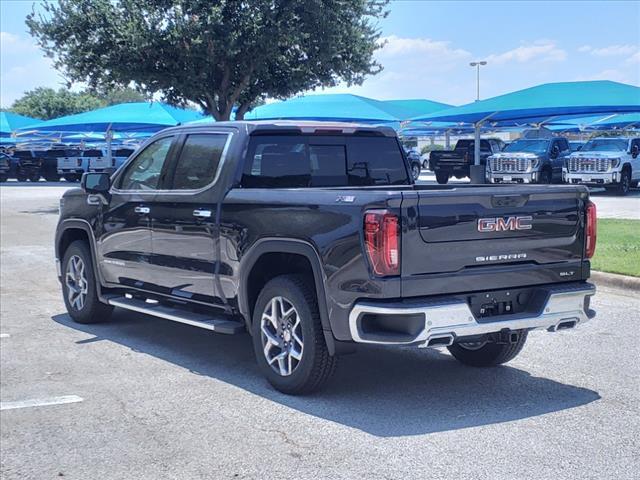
x=150 y=399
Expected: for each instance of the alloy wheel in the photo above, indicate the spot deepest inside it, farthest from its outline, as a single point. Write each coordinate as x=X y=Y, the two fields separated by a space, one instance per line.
x=76 y=282
x=282 y=339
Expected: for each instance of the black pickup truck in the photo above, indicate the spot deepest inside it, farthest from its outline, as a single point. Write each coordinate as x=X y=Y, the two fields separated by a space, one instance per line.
x=314 y=238
x=457 y=162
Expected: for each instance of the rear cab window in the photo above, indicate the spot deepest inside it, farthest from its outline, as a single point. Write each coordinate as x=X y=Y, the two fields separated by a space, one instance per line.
x=296 y=161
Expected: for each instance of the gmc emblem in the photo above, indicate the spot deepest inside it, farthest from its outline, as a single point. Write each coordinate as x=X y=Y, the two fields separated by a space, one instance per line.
x=503 y=224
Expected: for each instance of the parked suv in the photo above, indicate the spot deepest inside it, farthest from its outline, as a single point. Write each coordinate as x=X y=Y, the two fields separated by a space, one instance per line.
x=457 y=162
x=536 y=160
x=612 y=163
x=313 y=237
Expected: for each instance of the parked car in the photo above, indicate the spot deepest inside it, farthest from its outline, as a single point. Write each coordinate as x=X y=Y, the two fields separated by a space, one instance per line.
x=612 y=163
x=455 y=163
x=70 y=163
x=5 y=167
x=415 y=163
x=28 y=165
x=314 y=238
x=537 y=160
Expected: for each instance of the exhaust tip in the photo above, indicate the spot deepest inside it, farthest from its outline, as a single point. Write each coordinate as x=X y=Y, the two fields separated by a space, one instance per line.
x=564 y=325
x=440 y=341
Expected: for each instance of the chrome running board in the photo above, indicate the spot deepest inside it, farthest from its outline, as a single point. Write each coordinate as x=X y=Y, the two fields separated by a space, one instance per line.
x=219 y=324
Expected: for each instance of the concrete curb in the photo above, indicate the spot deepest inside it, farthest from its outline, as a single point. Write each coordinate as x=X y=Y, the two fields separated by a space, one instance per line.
x=616 y=281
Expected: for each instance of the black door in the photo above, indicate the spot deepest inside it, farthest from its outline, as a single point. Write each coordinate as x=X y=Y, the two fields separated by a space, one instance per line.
x=124 y=244
x=184 y=231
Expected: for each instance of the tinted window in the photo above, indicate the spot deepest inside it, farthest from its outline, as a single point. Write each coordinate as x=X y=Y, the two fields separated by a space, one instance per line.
x=375 y=161
x=198 y=162
x=92 y=153
x=299 y=161
x=143 y=173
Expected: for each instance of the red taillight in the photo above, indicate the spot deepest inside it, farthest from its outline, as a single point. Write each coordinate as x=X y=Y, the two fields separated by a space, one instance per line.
x=590 y=230
x=381 y=240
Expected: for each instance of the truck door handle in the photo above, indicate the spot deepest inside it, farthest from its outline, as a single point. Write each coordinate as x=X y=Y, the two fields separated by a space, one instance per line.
x=202 y=213
x=142 y=210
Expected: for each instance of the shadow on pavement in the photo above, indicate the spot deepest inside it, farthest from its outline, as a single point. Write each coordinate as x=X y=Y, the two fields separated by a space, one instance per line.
x=384 y=392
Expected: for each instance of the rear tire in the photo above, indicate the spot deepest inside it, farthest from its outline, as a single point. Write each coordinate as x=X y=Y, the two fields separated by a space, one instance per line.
x=52 y=178
x=290 y=349
x=34 y=177
x=442 y=177
x=489 y=354
x=79 y=287
x=21 y=177
x=4 y=178
x=72 y=177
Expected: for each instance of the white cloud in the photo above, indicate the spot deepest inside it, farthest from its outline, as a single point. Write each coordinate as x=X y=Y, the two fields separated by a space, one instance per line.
x=12 y=44
x=611 y=50
x=635 y=58
x=395 y=46
x=544 y=50
x=610 y=74
x=23 y=67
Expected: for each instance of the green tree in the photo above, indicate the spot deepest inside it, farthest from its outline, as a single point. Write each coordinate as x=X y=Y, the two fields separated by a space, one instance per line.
x=46 y=103
x=123 y=95
x=215 y=53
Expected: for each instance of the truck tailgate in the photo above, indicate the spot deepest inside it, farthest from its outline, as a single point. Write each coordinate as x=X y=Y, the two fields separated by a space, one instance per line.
x=481 y=238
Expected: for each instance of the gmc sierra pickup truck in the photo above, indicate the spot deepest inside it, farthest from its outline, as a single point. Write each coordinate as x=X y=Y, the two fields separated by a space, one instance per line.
x=313 y=238
x=457 y=162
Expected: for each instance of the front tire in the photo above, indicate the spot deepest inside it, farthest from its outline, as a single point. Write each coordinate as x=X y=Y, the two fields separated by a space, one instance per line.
x=79 y=286
x=625 y=183
x=288 y=339
x=487 y=354
x=442 y=177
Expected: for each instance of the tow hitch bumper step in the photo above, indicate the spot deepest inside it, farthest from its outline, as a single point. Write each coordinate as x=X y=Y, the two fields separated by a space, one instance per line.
x=441 y=323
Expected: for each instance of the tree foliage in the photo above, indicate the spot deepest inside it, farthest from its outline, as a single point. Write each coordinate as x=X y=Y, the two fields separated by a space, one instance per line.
x=46 y=103
x=215 y=53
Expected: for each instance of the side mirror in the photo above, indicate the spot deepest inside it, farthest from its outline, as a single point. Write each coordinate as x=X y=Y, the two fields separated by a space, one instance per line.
x=635 y=151
x=95 y=182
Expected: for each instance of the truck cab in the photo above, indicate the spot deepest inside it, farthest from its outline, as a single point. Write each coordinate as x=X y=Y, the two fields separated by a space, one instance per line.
x=529 y=160
x=612 y=163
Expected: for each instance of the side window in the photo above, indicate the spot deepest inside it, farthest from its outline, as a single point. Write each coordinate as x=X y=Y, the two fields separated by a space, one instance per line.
x=143 y=173
x=199 y=160
x=564 y=144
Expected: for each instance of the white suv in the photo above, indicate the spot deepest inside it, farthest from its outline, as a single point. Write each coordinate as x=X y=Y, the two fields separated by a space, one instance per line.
x=612 y=163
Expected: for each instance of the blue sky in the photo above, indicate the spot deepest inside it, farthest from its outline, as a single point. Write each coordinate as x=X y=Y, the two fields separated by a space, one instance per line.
x=429 y=46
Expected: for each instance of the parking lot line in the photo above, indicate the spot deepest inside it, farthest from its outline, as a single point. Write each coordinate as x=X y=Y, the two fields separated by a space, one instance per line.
x=40 y=402
x=4 y=335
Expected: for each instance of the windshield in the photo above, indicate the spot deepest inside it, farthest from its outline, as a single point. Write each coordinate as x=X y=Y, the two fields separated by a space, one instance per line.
x=605 y=145
x=528 y=146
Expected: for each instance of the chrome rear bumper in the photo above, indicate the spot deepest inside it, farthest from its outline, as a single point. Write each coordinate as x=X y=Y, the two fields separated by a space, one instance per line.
x=441 y=323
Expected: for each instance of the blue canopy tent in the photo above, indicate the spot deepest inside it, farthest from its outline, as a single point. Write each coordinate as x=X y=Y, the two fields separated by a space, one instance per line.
x=341 y=107
x=624 y=121
x=139 y=116
x=12 y=121
x=542 y=104
x=418 y=106
x=124 y=117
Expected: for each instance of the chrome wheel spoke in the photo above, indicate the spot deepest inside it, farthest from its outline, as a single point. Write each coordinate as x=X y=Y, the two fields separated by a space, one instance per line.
x=76 y=282
x=281 y=332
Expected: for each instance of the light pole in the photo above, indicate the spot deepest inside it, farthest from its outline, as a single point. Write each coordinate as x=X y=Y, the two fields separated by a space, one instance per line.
x=477 y=171
x=479 y=64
